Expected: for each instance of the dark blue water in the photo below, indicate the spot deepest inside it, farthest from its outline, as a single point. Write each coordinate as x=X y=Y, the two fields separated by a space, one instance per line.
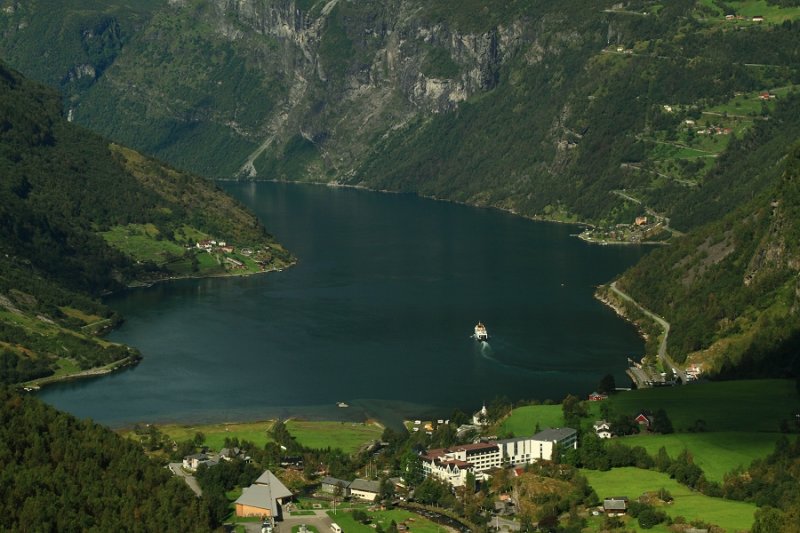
x=378 y=313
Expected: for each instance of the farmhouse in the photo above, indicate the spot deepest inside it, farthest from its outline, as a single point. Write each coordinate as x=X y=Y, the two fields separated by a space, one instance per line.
x=644 y=420
x=263 y=498
x=602 y=429
x=615 y=506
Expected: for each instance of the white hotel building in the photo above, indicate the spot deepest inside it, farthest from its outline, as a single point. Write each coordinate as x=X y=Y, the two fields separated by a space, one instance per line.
x=453 y=464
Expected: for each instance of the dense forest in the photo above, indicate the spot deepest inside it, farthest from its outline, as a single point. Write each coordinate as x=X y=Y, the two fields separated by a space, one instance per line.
x=62 y=474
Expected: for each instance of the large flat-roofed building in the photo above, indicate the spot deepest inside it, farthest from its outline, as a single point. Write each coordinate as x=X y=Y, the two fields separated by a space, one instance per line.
x=454 y=464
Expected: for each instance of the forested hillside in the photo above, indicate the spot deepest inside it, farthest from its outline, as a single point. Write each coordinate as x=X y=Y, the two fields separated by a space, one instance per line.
x=80 y=217
x=62 y=474
x=731 y=289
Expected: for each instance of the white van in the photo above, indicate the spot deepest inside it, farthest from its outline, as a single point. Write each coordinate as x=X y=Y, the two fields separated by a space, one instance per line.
x=335 y=527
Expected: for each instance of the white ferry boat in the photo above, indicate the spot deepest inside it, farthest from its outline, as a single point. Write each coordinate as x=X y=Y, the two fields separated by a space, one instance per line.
x=480 y=332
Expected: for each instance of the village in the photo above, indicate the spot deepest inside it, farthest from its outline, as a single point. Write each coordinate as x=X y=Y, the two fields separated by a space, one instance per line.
x=230 y=258
x=479 y=467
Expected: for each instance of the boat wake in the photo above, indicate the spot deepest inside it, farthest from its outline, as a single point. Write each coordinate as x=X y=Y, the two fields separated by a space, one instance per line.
x=485 y=352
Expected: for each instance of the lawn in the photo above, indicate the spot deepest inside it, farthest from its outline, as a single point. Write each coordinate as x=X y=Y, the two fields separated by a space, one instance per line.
x=347 y=436
x=523 y=420
x=414 y=522
x=632 y=482
x=752 y=405
x=141 y=242
x=255 y=432
x=716 y=453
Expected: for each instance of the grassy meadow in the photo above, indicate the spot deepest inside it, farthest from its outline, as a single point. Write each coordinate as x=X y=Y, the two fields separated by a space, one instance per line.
x=633 y=482
x=716 y=453
x=348 y=436
x=750 y=406
x=523 y=420
x=215 y=434
x=415 y=522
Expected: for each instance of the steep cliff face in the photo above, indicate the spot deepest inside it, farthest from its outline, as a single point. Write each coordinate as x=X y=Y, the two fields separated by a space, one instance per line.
x=357 y=72
x=248 y=80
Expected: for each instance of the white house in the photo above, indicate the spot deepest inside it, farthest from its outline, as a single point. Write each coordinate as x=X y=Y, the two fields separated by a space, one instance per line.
x=481 y=418
x=602 y=429
x=193 y=462
x=364 y=489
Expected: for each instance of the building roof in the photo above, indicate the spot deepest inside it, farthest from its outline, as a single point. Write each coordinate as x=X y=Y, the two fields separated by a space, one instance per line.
x=328 y=480
x=555 y=434
x=615 y=504
x=279 y=490
x=259 y=496
x=365 y=485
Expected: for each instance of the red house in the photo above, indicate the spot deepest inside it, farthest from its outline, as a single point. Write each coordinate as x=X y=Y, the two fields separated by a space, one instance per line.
x=644 y=420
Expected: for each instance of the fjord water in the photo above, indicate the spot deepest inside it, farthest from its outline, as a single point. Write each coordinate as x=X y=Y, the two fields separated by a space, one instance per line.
x=378 y=313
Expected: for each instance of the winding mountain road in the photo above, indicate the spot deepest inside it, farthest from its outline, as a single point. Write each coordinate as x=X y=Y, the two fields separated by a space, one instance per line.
x=662 y=347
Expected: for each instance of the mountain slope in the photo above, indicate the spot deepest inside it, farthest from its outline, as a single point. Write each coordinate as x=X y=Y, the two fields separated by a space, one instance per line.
x=731 y=290
x=80 y=217
x=62 y=474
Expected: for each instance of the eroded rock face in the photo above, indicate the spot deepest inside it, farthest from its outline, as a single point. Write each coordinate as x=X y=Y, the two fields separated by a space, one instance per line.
x=386 y=72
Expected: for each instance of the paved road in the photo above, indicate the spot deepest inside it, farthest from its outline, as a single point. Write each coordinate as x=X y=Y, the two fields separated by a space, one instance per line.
x=503 y=524
x=320 y=520
x=190 y=480
x=662 y=348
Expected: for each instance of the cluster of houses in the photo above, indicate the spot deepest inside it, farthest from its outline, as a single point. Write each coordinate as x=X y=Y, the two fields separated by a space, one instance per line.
x=454 y=464
x=754 y=18
x=210 y=245
x=193 y=462
x=602 y=428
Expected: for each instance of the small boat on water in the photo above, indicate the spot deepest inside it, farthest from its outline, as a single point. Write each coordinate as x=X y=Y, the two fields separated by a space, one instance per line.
x=341 y=404
x=480 y=332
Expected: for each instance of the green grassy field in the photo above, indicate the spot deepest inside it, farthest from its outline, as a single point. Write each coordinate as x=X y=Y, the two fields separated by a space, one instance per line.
x=348 y=436
x=215 y=434
x=752 y=405
x=523 y=420
x=415 y=522
x=140 y=242
x=772 y=14
x=632 y=482
x=716 y=453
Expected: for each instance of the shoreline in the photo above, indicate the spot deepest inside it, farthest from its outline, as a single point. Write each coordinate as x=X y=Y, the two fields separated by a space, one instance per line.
x=126 y=362
x=337 y=185
x=129 y=361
